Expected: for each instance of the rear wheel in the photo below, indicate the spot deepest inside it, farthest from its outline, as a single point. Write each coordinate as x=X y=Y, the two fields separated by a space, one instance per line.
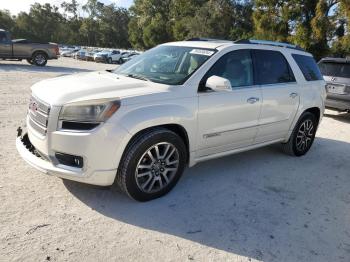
x=39 y=59
x=152 y=164
x=302 y=136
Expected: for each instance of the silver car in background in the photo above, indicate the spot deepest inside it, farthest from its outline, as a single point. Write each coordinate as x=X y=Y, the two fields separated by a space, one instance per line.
x=336 y=73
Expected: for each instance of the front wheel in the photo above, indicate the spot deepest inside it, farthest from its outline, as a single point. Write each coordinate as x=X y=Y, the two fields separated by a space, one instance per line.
x=152 y=164
x=302 y=136
x=110 y=60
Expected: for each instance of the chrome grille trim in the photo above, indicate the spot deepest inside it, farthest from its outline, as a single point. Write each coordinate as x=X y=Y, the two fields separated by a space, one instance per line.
x=38 y=113
x=41 y=130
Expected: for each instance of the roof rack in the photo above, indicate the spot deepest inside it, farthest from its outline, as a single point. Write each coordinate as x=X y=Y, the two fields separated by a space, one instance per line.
x=247 y=41
x=208 y=40
x=265 y=42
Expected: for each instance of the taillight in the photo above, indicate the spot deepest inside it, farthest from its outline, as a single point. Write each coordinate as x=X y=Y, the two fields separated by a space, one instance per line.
x=57 y=50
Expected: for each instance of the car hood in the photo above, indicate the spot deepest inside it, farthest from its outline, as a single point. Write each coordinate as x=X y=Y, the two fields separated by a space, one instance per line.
x=96 y=85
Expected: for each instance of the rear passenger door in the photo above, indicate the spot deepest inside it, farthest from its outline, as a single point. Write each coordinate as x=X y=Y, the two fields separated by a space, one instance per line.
x=280 y=93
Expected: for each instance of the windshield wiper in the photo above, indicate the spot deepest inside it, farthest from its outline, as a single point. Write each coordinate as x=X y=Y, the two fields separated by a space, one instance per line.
x=138 y=77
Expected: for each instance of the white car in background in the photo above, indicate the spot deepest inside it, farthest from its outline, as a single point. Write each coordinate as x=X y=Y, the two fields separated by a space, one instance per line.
x=175 y=105
x=109 y=56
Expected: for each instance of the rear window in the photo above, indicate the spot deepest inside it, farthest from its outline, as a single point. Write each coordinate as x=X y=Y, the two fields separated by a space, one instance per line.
x=308 y=67
x=272 y=67
x=335 y=69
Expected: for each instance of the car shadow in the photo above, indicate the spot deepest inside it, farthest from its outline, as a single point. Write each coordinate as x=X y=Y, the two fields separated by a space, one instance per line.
x=343 y=116
x=32 y=68
x=260 y=204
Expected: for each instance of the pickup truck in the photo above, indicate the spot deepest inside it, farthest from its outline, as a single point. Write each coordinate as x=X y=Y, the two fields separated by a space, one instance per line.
x=34 y=53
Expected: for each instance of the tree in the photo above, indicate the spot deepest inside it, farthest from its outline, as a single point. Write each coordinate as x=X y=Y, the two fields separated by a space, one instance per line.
x=341 y=45
x=113 y=27
x=271 y=20
x=6 y=21
x=213 y=19
x=42 y=23
x=150 y=19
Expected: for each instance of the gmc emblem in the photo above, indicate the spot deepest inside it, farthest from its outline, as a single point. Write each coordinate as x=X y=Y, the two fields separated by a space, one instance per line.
x=33 y=106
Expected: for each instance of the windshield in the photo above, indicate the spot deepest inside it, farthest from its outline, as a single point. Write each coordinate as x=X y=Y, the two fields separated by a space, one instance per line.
x=335 y=69
x=171 y=65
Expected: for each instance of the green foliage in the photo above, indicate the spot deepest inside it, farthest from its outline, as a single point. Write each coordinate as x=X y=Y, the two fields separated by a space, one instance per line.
x=6 y=21
x=154 y=21
x=104 y=25
x=271 y=20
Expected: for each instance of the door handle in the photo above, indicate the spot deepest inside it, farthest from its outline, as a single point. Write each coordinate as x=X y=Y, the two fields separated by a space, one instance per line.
x=252 y=100
x=293 y=95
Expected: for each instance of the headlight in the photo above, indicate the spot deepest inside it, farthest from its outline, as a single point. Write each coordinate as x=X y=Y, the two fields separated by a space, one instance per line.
x=95 y=111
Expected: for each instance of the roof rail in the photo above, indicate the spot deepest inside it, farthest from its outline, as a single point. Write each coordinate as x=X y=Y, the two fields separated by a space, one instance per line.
x=273 y=43
x=208 y=39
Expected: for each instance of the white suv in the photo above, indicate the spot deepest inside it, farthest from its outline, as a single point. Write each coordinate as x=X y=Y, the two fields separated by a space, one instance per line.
x=175 y=105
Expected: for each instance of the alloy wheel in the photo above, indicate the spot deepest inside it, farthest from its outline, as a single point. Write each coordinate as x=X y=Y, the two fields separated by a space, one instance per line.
x=305 y=135
x=157 y=167
x=40 y=59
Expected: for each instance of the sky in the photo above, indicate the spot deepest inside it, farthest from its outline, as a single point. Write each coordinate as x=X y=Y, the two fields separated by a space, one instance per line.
x=16 y=6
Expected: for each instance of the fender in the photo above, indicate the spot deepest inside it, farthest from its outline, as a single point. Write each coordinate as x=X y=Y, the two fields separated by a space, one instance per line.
x=145 y=116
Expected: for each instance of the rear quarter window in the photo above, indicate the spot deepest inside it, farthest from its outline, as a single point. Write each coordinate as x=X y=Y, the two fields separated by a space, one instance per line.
x=308 y=67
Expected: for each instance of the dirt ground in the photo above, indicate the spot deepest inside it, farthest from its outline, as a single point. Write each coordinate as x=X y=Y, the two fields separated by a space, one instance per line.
x=260 y=205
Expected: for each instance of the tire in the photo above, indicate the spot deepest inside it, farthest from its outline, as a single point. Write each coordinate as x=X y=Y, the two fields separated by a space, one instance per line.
x=303 y=135
x=110 y=60
x=120 y=61
x=30 y=61
x=39 y=59
x=144 y=179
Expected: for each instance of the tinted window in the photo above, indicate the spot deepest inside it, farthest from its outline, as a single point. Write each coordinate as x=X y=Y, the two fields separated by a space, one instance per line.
x=272 y=67
x=236 y=66
x=335 y=69
x=308 y=67
x=3 y=37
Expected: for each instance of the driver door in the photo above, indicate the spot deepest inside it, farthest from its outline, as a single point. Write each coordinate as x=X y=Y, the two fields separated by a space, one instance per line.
x=5 y=45
x=229 y=120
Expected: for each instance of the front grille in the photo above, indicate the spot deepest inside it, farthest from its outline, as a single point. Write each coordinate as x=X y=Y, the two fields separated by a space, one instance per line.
x=38 y=113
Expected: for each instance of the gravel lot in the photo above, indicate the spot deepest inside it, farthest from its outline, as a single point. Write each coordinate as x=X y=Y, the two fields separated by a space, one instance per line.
x=260 y=205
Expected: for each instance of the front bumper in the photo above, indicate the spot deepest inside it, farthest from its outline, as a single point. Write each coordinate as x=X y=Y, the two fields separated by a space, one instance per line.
x=100 y=59
x=101 y=150
x=28 y=152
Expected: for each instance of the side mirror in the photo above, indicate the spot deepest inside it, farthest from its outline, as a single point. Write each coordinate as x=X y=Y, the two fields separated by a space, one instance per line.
x=218 y=84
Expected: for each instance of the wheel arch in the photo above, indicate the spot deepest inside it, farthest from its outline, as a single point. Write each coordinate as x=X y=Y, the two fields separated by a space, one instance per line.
x=40 y=51
x=174 y=127
x=315 y=111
